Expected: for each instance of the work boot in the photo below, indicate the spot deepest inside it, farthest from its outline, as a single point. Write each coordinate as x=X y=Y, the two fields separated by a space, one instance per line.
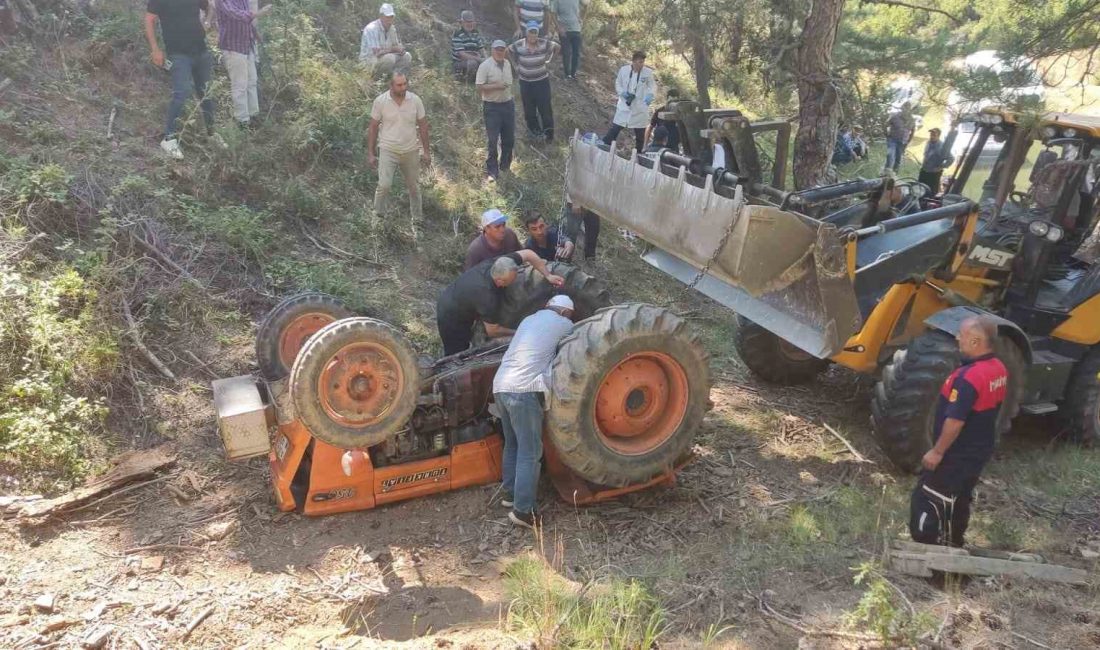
x=530 y=520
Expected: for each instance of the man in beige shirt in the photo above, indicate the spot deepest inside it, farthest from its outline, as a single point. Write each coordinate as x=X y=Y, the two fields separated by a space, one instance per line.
x=494 y=83
x=398 y=117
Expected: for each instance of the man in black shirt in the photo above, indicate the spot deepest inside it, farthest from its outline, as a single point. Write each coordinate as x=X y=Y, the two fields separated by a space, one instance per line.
x=672 y=129
x=477 y=294
x=545 y=240
x=188 y=60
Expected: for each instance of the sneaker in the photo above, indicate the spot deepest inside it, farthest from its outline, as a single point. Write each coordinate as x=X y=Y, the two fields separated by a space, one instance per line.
x=507 y=500
x=490 y=178
x=526 y=519
x=172 y=148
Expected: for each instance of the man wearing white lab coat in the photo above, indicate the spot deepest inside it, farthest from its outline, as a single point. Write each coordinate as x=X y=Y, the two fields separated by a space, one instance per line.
x=636 y=86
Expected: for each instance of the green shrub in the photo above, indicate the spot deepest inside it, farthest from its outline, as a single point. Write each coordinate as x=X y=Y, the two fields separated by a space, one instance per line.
x=53 y=354
x=248 y=231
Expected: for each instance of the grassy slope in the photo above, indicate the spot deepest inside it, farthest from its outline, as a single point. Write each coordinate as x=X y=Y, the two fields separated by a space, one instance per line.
x=773 y=502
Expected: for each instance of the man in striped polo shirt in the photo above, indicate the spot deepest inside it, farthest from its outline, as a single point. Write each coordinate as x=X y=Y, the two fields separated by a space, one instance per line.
x=531 y=55
x=467 y=46
x=237 y=41
x=528 y=10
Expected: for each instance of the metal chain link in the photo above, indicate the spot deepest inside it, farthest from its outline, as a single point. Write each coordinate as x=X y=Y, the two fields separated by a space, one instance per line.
x=717 y=251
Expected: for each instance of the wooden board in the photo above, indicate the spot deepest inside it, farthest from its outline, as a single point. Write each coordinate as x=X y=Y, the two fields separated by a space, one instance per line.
x=922 y=559
x=130 y=466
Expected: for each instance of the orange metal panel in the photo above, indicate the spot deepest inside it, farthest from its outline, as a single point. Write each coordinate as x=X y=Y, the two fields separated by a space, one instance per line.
x=411 y=480
x=291 y=441
x=476 y=463
x=330 y=489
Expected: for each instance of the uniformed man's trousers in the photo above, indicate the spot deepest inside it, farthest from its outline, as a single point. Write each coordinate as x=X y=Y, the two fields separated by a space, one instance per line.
x=939 y=509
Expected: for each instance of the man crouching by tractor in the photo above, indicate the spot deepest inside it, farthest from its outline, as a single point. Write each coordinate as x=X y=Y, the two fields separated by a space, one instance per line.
x=521 y=391
x=965 y=429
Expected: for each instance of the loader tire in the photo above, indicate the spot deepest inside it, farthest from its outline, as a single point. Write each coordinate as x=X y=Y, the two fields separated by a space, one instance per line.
x=288 y=326
x=903 y=407
x=630 y=387
x=530 y=292
x=773 y=359
x=1082 y=405
x=355 y=383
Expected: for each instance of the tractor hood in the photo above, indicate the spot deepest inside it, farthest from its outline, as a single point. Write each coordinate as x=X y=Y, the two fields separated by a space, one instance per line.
x=781 y=269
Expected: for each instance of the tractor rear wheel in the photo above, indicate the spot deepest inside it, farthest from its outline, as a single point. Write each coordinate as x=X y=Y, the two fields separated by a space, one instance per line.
x=530 y=292
x=903 y=408
x=1083 y=399
x=288 y=326
x=773 y=359
x=355 y=383
x=631 y=385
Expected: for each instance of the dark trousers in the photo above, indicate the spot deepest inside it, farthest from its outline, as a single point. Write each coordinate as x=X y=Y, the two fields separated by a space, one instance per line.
x=931 y=179
x=500 y=127
x=190 y=74
x=939 y=508
x=455 y=333
x=537 y=111
x=591 y=222
x=613 y=133
x=571 y=53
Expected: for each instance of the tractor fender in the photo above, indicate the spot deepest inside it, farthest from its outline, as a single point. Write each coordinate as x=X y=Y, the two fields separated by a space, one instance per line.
x=950 y=320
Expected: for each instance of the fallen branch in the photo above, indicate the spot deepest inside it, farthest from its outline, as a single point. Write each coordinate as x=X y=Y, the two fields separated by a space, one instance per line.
x=124 y=490
x=1031 y=641
x=111 y=121
x=135 y=338
x=860 y=457
x=173 y=264
x=22 y=249
x=195 y=622
x=768 y=611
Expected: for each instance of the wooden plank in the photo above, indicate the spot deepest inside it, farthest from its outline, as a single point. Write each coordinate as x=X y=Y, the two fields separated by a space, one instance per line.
x=990 y=566
x=131 y=466
x=916 y=547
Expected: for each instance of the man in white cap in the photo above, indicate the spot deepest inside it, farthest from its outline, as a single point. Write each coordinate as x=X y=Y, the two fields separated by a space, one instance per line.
x=521 y=391
x=494 y=83
x=477 y=295
x=380 y=49
x=496 y=239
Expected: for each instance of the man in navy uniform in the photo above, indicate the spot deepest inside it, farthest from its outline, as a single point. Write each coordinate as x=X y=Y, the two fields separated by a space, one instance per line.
x=965 y=430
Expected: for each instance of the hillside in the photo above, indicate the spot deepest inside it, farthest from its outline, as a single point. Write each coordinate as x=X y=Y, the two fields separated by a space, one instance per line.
x=114 y=259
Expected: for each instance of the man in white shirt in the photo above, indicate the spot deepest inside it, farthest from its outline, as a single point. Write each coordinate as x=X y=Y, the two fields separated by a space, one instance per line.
x=636 y=86
x=521 y=391
x=494 y=83
x=399 y=126
x=380 y=48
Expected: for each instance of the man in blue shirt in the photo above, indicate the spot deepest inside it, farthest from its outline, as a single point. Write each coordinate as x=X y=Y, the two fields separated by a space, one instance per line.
x=965 y=431
x=544 y=239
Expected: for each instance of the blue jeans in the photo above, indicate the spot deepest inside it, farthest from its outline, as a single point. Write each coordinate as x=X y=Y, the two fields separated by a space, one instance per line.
x=895 y=150
x=521 y=416
x=571 y=53
x=190 y=73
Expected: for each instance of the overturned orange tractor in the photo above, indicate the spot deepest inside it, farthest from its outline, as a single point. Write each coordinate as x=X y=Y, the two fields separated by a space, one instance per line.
x=351 y=418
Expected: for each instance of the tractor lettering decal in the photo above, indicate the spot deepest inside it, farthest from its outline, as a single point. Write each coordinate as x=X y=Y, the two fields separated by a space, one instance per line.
x=435 y=474
x=993 y=257
x=335 y=495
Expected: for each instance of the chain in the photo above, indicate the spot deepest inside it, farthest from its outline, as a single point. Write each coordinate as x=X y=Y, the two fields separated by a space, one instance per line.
x=717 y=250
x=563 y=224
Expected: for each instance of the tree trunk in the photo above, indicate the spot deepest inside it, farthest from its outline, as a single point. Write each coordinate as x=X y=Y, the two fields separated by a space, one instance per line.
x=818 y=104
x=700 y=56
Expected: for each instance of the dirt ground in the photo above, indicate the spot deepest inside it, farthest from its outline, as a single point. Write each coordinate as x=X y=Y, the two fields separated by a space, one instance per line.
x=774 y=506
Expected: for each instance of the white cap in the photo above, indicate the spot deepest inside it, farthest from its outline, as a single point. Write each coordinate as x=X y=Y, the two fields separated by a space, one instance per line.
x=386 y=9
x=492 y=217
x=564 y=302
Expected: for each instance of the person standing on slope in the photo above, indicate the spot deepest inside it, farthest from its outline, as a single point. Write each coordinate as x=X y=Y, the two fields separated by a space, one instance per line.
x=636 y=86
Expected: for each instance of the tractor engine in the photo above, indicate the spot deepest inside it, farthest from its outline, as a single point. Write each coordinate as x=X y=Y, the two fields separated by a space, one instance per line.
x=453 y=408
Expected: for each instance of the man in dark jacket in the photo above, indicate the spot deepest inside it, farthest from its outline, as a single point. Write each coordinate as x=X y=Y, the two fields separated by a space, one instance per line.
x=935 y=160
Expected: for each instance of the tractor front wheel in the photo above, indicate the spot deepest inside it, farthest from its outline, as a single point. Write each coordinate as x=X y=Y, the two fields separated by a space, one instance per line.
x=772 y=358
x=631 y=385
x=1083 y=399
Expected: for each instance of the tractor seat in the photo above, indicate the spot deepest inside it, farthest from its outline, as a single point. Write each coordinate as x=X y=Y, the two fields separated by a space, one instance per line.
x=1066 y=293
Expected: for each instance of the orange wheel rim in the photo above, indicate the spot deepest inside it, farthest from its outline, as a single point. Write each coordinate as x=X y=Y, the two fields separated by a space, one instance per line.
x=360 y=384
x=641 y=402
x=296 y=334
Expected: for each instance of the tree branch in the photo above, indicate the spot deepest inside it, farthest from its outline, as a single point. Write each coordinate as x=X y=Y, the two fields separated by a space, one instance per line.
x=898 y=3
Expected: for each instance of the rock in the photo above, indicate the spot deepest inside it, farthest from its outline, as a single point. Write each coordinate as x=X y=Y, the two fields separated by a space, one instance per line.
x=1088 y=553
x=97 y=637
x=45 y=603
x=55 y=623
x=219 y=530
x=95 y=612
x=152 y=563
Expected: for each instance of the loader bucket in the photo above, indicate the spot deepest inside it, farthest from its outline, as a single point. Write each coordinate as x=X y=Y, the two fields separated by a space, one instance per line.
x=781 y=269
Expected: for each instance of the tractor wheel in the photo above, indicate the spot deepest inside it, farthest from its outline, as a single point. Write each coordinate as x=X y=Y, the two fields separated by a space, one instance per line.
x=772 y=358
x=288 y=326
x=903 y=408
x=1083 y=399
x=631 y=385
x=530 y=292
x=355 y=383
